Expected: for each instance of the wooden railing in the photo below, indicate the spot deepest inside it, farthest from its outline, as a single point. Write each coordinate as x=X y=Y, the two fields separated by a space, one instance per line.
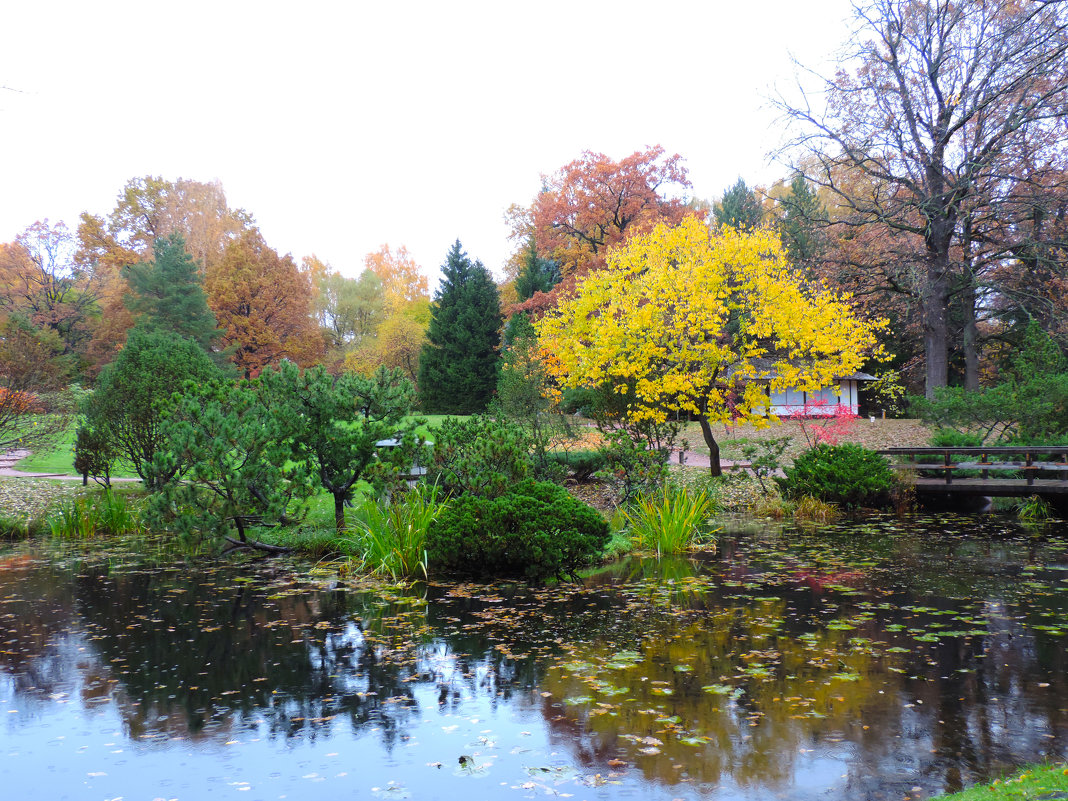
x=1044 y=468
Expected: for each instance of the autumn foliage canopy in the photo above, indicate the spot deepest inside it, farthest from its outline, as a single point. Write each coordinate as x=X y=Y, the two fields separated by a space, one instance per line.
x=683 y=319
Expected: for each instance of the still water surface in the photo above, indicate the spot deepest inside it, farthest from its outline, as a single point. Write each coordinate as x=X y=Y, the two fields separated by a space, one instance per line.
x=876 y=660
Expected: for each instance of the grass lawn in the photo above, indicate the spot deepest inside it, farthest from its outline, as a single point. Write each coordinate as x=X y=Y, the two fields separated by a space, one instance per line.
x=1031 y=784
x=432 y=422
x=59 y=459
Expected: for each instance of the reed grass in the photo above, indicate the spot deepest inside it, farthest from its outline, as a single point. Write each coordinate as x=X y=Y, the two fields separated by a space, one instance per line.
x=91 y=516
x=812 y=510
x=671 y=520
x=1033 y=509
x=389 y=537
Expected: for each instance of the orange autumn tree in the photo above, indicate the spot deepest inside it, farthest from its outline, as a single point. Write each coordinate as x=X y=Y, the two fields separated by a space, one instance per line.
x=595 y=203
x=405 y=298
x=263 y=304
x=684 y=320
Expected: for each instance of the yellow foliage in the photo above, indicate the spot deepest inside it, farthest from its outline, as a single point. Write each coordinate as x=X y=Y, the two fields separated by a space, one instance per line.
x=704 y=323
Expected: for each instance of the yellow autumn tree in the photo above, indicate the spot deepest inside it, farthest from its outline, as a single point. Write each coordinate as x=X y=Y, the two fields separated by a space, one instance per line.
x=681 y=319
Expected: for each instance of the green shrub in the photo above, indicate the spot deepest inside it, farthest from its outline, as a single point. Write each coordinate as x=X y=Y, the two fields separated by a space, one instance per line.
x=389 y=537
x=580 y=465
x=135 y=393
x=94 y=454
x=844 y=474
x=670 y=521
x=535 y=531
x=951 y=438
x=478 y=455
x=632 y=465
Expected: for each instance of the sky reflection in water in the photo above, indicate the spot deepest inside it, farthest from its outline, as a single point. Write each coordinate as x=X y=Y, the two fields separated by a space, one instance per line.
x=860 y=664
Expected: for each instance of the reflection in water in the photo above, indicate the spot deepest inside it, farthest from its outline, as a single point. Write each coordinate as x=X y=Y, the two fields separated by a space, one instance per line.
x=857 y=664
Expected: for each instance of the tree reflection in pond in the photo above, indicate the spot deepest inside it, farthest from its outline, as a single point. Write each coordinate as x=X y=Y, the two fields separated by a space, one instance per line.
x=854 y=664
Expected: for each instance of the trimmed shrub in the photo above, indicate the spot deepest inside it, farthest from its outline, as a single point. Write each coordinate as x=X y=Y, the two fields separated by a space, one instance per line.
x=479 y=456
x=844 y=474
x=536 y=531
x=951 y=438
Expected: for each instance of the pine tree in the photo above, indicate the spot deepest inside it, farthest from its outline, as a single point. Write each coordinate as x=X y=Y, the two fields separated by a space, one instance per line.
x=168 y=293
x=459 y=364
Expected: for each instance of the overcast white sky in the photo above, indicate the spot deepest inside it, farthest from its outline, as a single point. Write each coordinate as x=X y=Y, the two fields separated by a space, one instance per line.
x=344 y=125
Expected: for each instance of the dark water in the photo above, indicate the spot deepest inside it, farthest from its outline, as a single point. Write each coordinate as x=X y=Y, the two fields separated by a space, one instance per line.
x=873 y=661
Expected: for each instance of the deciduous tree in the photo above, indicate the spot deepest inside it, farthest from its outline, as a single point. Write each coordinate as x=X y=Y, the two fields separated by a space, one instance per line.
x=264 y=306
x=40 y=282
x=943 y=106
x=595 y=202
x=684 y=320
x=33 y=374
x=147 y=209
x=402 y=282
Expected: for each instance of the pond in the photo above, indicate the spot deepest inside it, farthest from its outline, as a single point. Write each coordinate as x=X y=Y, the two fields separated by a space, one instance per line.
x=885 y=659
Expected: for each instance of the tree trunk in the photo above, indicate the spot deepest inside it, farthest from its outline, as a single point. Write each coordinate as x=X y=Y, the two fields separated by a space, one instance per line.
x=339 y=511
x=935 y=327
x=971 y=338
x=713 y=446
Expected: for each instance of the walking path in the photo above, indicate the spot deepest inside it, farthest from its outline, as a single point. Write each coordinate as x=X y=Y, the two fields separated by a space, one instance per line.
x=9 y=459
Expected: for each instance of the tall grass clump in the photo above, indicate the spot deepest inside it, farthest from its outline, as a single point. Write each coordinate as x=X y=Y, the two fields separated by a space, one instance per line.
x=1033 y=509
x=671 y=520
x=17 y=528
x=812 y=510
x=103 y=514
x=389 y=537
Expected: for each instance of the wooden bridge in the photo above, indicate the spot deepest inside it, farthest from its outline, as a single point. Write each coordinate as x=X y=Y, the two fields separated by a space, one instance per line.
x=1022 y=471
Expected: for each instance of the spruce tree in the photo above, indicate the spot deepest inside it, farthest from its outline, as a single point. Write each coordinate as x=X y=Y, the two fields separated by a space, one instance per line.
x=739 y=208
x=537 y=274
x=800 y=235
x=459 y=364
x=168 y=293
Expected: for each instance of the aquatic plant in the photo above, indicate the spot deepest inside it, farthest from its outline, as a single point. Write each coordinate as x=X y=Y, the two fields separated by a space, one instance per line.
x=388 y=537
x=812 y=510
x=1033 y=509
x=106 y=513
x=670 y=521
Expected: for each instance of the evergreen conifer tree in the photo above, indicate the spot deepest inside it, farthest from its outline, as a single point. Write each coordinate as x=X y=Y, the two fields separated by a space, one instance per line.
x=800 y=236
x=459 y=364
x=538 y=274
x=168 y=293
x=739 y=208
